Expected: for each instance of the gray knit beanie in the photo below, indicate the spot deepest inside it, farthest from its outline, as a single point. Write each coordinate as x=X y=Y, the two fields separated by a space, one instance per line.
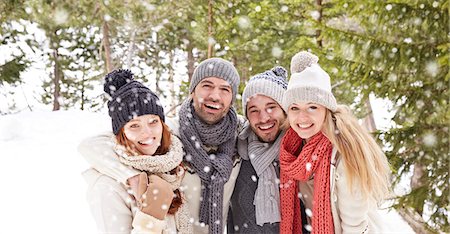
x=216 y=67
x=271 y=83
x=308 y=83
x=129 y=99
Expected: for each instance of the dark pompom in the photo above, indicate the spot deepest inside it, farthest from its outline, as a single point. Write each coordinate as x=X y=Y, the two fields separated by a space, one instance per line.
x=280 y=71
x=116 y=79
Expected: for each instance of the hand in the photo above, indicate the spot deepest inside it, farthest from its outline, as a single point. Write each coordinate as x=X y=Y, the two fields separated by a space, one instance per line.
x=155 y=197
x=133 y=182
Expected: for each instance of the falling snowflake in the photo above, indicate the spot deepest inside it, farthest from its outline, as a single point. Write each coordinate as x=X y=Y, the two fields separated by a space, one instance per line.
x=258 y=8
x=244 y=22
x=206 y=169
x=277 y=52
x=107 y=17
x=308 y=212
x=388 y=7
x=61 y=16
x=308 y=166
x=392 y=77
x=432 y=68
x=254 y=179
x=429 y=139
x=315 y=15
x=408 y=40
x=308 y=227
x=211 y=41
x=284 y=8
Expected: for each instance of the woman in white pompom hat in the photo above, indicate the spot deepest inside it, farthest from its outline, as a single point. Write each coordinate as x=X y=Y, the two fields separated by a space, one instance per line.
x=327 y=159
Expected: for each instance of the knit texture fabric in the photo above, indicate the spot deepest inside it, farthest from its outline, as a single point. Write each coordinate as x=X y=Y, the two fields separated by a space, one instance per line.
x=219 y=68
x=308 y=83
x=262 y=156
x=129 y=99
x=271 y=83
x=161 y=165
x=314 y=159
x=213 y=169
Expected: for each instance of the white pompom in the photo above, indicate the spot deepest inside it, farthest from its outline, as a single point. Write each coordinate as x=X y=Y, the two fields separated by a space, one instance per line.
x=302 y=60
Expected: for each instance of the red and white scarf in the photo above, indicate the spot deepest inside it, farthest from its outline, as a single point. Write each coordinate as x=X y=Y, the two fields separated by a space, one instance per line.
x=300 y=163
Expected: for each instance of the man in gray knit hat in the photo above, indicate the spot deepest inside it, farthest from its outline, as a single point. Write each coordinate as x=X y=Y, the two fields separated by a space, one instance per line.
x=255 y=203
x=207 y=126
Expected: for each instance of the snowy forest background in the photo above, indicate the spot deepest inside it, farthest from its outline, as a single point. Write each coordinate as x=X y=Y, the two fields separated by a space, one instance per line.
x=54 y=55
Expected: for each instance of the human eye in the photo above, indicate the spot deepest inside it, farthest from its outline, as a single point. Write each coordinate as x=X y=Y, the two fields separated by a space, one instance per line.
x=254 y=110
x=153 y=121
x=206 y=85
x=228 y=90
x=294 y=108
x=134 y=126
x=312 y=108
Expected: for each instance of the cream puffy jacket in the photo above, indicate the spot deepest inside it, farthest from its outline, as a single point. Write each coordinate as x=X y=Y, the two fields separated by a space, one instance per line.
x=351 y=213
x=99 y=153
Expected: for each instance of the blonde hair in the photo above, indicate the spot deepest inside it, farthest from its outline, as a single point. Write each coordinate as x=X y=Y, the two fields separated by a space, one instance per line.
x=366 y=165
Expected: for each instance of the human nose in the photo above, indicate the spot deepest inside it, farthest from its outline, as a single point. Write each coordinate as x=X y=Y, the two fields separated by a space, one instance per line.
x=215 y=94
x=264 y=116
x=146 y=131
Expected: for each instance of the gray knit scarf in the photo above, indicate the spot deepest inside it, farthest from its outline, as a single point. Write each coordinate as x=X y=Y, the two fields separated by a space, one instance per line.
x=161 y=165
x=262 y=155
x=213 y=169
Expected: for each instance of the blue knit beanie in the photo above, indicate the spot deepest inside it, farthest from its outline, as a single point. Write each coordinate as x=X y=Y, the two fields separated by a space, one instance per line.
x=129 y=99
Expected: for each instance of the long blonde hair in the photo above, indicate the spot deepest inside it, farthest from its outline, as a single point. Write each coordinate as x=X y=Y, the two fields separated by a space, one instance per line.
x=366 y=165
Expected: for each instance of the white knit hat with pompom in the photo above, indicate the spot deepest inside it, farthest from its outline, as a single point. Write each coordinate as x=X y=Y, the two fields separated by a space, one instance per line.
x=308 y=83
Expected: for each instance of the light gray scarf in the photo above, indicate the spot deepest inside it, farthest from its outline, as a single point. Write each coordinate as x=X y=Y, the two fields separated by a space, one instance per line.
x=214 y=170
x=161 y=165
x=262 y=155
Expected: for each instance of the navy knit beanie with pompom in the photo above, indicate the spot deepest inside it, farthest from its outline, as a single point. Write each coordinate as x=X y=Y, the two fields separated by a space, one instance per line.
x=129 y=99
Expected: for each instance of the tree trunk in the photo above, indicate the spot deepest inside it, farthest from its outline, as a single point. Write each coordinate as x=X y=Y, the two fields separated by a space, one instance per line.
x=369 y=121
x=130 y=53
x=210 y=32
x=414 y=220
x=190 y=63
x=106 y=45
x=173 y=101
x=416 y=182
x=319 y=19
x=56 y=80
x=83 y=87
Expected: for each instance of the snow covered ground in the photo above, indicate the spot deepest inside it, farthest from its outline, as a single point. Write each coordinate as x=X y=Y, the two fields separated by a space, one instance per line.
x=42 y=187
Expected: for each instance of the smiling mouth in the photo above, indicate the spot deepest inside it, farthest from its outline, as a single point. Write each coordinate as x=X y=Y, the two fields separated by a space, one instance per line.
x=213 y=106
x=304 y=126
x=266 y=127
x=147 y=142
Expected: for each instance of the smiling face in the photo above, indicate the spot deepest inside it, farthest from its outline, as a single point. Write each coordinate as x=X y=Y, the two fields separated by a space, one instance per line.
x=265 y=116
x=306 y=119
x=212 y=99
x=145 y=133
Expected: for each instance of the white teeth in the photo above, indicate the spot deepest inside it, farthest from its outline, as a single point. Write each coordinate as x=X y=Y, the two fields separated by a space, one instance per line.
x=266 y=126
x=213 y=106
x=148 y=142
x=305 y=125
